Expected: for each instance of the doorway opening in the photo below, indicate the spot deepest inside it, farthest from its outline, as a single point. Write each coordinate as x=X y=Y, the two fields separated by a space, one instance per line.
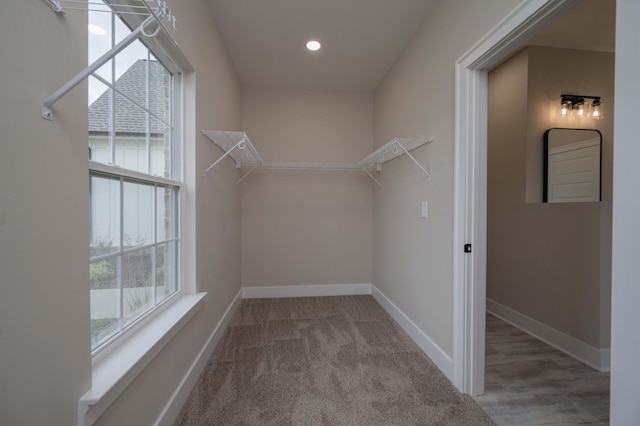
x=470 y=200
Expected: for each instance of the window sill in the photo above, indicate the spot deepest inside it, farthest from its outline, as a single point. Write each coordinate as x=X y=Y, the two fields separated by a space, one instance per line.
x=112 y=374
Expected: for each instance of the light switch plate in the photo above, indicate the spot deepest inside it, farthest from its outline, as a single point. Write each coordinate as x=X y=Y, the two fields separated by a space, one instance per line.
x=423 y=212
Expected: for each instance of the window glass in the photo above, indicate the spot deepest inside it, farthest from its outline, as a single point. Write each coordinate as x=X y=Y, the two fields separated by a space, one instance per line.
x=128 y=279
x=166 y=214
x=105 y=215
x=130 y=105
x=105 y=303
x=100 y=22
x=134 y=198
x=161 y=150
x=130 y=137
x=137 y=282
x=137 y=215
x=166 y=270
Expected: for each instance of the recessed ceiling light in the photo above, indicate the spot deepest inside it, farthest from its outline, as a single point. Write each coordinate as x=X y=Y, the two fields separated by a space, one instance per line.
x=313 y=45
x=97 y=30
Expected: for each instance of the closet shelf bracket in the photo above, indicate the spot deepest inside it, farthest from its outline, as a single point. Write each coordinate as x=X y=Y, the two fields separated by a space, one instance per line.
x=237 y=146
x=246 y=174
x=414 y=160
x=392 y=149
x=372 y=177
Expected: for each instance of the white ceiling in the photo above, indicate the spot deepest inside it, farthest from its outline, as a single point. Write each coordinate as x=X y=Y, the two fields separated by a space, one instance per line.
x=360 y=39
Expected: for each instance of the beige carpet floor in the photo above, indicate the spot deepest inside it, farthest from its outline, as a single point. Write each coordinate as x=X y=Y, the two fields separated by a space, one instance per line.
x=322 y=361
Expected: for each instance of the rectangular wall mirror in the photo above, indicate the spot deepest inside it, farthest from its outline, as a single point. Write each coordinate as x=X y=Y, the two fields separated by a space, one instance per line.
x=572 y=165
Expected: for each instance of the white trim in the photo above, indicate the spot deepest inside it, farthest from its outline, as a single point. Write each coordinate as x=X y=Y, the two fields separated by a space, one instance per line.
x=305 y=291
x=593 y=357
x=470 y=173
x=439 y=357
x=95 y=166
x=112 y=374
x=172 y=409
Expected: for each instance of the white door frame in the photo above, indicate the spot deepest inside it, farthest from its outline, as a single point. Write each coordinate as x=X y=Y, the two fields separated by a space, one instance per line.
x=470 y=181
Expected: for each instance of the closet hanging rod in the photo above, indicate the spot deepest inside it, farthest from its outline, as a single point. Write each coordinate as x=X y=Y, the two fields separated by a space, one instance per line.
x=336 y=167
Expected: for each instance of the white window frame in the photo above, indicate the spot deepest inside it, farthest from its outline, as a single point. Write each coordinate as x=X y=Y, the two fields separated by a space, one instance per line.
x=118 y=364
x=165 y=57
x=101 y=171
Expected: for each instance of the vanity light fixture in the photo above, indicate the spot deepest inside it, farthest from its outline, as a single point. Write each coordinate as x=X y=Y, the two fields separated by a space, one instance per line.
x=575 y=106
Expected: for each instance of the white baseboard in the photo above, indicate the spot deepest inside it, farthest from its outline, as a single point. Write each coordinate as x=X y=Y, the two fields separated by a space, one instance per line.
x=443 y=361
x=172 y=409
x=600 y=359
x=305 y=291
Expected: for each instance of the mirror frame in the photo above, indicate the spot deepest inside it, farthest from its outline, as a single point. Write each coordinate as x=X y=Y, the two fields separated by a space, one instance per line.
x=545 y=171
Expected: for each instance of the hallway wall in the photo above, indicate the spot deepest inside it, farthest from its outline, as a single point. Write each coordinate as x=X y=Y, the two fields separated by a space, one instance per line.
x=548 y=261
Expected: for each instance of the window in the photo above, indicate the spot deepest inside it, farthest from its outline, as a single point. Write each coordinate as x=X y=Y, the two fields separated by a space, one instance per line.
x=135 y=183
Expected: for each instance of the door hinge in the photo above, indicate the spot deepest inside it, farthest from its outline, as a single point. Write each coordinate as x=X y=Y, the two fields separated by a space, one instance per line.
x=467 y=248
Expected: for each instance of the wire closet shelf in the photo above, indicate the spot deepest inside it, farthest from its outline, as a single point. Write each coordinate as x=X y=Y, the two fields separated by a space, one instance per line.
x=238 y=146
x=151 y=17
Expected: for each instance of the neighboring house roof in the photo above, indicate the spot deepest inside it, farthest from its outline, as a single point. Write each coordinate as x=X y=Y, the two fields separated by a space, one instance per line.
x=130 y=119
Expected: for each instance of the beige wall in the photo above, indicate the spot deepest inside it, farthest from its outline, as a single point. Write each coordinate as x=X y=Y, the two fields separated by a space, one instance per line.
x=301 y=227
x=550 y=262
x=412 y=257
x=45 y=363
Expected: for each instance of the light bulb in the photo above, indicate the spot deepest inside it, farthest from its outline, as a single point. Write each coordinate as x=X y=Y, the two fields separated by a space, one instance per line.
x=581 y=111
x=313 y=45
x=596 y=113
x=565 y=109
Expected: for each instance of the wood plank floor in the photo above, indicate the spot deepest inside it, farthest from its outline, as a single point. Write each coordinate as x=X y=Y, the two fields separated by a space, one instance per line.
x=528 y=382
